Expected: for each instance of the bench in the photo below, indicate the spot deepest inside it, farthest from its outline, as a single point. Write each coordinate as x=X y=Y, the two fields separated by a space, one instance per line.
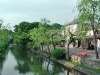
x=82 y=54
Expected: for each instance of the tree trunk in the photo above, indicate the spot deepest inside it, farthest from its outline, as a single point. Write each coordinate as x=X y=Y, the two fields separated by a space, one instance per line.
x=94 y=32
x=68 y=57
x=48 y=65
x=42 y=46
x=68 y=71
x=95 y=40
x=49 y=50
x=95 y=45
x=53 y=43
x=54 y=46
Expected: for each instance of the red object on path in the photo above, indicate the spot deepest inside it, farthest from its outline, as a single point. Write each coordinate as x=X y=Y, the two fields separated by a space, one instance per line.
x=82 y=54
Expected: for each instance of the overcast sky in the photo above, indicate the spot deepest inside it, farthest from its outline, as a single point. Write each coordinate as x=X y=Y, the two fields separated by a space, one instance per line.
x=57 y=11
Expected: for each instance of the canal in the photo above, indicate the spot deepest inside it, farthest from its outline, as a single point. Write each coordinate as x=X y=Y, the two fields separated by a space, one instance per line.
x=18 y=61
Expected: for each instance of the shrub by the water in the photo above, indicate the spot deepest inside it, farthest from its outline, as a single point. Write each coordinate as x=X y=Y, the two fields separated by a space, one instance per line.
x=35 y=47
x=3 y=46
x=58 y=53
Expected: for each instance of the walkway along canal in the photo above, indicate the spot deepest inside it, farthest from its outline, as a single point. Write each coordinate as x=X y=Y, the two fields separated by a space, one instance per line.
x=18 y=61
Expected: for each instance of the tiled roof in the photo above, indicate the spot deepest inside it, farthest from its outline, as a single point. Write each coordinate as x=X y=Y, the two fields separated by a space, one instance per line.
x=75 y=21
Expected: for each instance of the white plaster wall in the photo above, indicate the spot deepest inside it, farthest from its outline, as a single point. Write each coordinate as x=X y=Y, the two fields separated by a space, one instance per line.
x=90 y=33
x=71 y=27
x=98 y=45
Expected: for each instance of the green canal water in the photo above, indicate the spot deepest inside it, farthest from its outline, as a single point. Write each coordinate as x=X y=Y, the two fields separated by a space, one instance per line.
x=18 y=61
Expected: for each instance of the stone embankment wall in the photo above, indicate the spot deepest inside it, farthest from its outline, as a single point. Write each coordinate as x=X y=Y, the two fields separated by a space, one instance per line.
x=69 y=65
x=93 y=63
x=81 y=69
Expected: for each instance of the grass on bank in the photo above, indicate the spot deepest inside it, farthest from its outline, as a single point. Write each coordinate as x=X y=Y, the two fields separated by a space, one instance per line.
x=86 y=67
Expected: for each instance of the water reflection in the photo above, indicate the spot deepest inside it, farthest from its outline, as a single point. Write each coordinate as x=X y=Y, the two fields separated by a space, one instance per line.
x=23 y=62
x=3 y=54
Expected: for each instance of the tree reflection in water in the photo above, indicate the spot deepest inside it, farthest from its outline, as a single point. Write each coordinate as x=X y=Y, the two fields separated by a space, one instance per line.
x=3 y=54
x=28 y=62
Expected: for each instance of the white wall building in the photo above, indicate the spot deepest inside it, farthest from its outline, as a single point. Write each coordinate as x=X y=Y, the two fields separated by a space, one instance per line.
x=73 y=27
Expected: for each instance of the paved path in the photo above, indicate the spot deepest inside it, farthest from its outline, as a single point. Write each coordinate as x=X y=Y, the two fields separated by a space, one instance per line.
x=90 y=53
x=74 y=51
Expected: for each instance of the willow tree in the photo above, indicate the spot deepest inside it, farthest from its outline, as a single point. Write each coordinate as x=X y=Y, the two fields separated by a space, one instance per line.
x=4 y=35
x=69 y=37
x=45 y=35
x=43 y=28
x=40 y=34
x=89 y=12
x=54 y=37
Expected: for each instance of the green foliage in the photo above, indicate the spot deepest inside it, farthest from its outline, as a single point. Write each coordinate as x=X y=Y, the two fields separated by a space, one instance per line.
x=40 y=35
x=89 y=18
x=33 y=25
x=4 y=36
x=45 y=34
x=21 y=38
x=39 y=32
x=4 y=40
x=35 y=47
x=56 y=26
x=22 y=30
x=58 y=53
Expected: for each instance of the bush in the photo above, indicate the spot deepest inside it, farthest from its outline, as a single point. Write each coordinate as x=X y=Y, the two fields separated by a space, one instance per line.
x=58 y=53
x=35 y=47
